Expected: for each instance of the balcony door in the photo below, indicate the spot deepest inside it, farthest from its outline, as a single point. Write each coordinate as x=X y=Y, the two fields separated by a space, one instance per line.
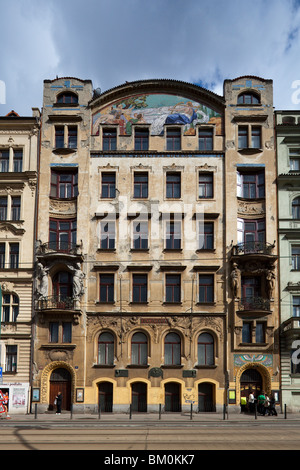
x=62 y=235
x=251 y=234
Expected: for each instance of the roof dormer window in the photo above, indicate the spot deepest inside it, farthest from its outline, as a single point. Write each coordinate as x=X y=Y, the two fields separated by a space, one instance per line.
x=67 y=98
x=248 y=98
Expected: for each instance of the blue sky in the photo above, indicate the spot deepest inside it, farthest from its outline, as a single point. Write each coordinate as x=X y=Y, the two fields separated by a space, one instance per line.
x=113 y=41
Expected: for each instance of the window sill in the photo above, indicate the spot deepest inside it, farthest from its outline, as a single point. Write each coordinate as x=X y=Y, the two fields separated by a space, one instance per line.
x=203 y=366
x=172 y=366
x=64 y=150
x=172 y=250
x=103 y=366
x=172 y=303
x=138 y=366
x=105 y=302
x=249 y=150
x=133 y=250
x=253 y=345
x=109 y=250
x=209 y=304
x=207 y=250
x=139 y=303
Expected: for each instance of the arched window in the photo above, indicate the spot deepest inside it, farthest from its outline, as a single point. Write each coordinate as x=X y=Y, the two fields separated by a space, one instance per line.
x=205 y=349
x=172 y=349
x=10 y=307
x=106 y=345
x=296 y=208
x=248 y=98
x=139 y=349
x=67 y=98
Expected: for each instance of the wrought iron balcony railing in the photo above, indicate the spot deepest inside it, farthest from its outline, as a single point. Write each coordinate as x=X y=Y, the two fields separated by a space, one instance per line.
x=253 y=248
x=254 y=303
x=56 y=302
x=59 y=247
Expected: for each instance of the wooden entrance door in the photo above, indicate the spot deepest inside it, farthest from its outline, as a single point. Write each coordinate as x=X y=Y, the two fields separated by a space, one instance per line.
x=60 y=381
x=106 y=397
x=139 y=397
x=206 y=401
x=172 y=397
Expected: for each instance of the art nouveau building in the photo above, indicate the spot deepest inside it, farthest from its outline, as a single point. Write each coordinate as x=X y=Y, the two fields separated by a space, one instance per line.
x=251 y=238
x=288 y=162
x=18 y=179
x=143 y=219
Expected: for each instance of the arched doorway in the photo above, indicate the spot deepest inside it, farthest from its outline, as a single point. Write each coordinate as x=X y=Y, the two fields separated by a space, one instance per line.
x=172 y=397
x=139 y=397
x=105 y=397
x=206 y=397
x=60 y=381
x=251 y=380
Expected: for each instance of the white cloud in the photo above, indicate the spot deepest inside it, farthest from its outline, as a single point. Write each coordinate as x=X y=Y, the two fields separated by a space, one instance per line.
x=111 y=41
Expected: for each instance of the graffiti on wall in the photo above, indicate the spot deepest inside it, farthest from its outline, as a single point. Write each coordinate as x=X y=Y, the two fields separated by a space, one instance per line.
x=156 y=110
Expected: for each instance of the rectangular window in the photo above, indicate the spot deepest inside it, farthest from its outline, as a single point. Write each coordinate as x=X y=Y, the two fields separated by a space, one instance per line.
x=62 y=235
x=13 y=255
x=108 y=185
x=247 y=332
x=108 y=235
x=64 y=185
x=53 y=332
x=4 y=160
x=260 y=333
x=206 y=288
x=205 y=185
x=242 y=137
x=72 y=137
x=15 y=207
x=109 y=139
x=251 y=288
x=67 y=332
x=140 y=235
x=106 y=288
x=294 y=155
x=2 y=255
x=173 y=235
x=173 y=287
x=173 y=139
x=251 y=185
x=59 y=137
x=140 y=185
x=296 y=305
x=206 y=236
x=173 y=185
x=139 y=288
x=251 y=234
x=18 y=160
x=11 y=358
x=256 y=137
x=296 y=257
x=3 y=208
x=141 y=139
x=205 y=139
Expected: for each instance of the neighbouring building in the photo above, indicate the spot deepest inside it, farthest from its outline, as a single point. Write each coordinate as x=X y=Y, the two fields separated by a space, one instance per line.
x=156 y=246
x=288 y=180
x=19 y=137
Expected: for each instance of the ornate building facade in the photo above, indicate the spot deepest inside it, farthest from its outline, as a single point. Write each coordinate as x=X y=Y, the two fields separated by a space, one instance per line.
x=144 y=220
x=19 y=137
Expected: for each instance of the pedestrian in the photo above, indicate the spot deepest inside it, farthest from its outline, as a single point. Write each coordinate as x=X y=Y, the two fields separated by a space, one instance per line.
x=272 y=407
x=260 y=402
x=58 y=402
x=251 y=401
x=266 y=405
x=5 y=404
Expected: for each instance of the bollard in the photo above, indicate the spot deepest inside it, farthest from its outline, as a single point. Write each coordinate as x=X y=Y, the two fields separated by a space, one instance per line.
x=159 y=411
x=71 y=411
x=255 y=410
x=191 y=414
x=285 y=411
x=130 y=411
x=99 y=411
x=224 y=411
x=35 y=411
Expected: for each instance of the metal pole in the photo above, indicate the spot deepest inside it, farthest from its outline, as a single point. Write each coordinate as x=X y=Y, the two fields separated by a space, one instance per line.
x=159 y=411
x=130 y=411
x=35 y=411
x=99 y=411
x=191 y=415
x=285 y=411
x=71 y=410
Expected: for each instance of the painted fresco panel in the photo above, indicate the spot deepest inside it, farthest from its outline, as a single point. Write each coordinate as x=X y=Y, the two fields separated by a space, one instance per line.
x=156 y=110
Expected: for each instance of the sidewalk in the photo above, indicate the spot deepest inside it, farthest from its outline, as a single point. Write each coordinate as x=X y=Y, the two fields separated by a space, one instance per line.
x=145 y=418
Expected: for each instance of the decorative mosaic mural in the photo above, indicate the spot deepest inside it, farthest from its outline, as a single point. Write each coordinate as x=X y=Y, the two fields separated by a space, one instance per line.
x=156 y=110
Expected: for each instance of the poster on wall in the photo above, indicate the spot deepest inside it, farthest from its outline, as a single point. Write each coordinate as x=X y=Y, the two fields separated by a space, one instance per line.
x=156 y=110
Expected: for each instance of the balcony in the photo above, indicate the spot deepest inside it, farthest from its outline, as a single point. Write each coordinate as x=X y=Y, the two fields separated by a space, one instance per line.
x=56 y=303
x=290 y=329
x=59 y=248
x=253 y=248
x=254 y=304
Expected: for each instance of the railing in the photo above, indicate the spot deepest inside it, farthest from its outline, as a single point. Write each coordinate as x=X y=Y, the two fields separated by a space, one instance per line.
x=56 y=302
x=253 y=248
x=59 y=247
x=254 y=303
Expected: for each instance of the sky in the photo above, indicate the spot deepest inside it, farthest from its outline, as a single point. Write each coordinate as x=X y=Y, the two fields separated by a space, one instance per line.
x=113 y=41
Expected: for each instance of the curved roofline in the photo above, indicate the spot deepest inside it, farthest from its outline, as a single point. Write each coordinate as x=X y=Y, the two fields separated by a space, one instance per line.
x=142 y=85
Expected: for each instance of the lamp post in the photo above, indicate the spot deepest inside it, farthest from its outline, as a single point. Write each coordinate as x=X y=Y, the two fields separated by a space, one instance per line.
x=0 y=331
